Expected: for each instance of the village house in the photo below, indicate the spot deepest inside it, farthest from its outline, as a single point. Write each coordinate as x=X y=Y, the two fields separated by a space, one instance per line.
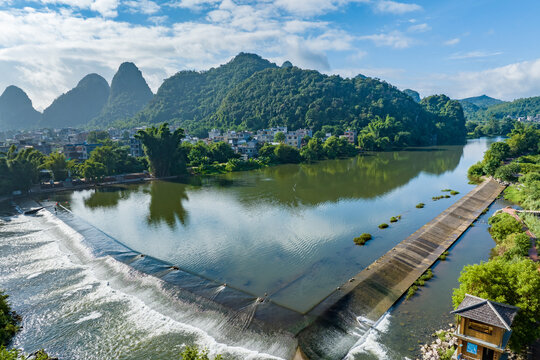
x=484 y=328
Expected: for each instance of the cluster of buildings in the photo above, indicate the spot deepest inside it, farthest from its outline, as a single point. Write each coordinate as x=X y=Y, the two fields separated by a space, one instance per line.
x=529 y=118
x=75 y=145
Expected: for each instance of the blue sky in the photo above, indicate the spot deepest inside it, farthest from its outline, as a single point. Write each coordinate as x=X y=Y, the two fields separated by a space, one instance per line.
x=458 y=47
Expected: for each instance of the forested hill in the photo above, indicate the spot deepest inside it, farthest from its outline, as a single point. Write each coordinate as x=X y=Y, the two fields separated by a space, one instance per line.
x=79 y=105
x=499 y=109
x=482 y=101
x=129 y=94
x=191 y=97
x=16 y=110
x=252 y=93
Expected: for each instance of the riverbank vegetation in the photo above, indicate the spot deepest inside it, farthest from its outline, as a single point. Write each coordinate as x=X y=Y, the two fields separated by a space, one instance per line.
x=9 y=321
x=510 y=276
x=421 y=281
x=194 y=353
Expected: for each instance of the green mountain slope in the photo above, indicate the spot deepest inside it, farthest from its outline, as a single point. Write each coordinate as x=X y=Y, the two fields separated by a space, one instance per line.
x=517 y=108
x=16 y=110
x=79 y=105
x=129 y=94
x=305 y=98
x=189 y=97
x=482 y=101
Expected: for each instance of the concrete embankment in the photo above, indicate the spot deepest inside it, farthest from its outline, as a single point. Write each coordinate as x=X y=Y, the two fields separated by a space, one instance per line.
x=375 y=289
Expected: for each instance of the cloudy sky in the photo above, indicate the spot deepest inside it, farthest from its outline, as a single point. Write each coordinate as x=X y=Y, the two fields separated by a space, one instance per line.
x=458 y=47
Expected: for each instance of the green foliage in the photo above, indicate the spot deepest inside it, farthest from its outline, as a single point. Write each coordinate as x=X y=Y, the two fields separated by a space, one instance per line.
x=193 y=353
x=454 y=192
x=449 y=121
x=502 y=225
x=313 y=151
x=335 y=147
x=286 y=154
x=444 y=255
x=93 y=171
x=97 y=137
x=8 y=321
x=475 y=172
x=516 y=283
x=362 y=239
x=514 y=245
x=15 y=354
x=19 y=169
x=383 y=226
x=129 y=94
x=420 y=205
x=57 y=164
x=507 y=172
x=279 y=137
x=163 y=150
x=393 y=219
x=191 y=98
x=410 y=293
x=243 y=165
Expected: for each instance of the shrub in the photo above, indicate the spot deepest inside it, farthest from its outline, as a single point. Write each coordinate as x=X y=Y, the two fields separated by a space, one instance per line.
x=193 y=353
x=8 y=321
x=454 y=192
x=420 y=205
x=502 y=225
x=475 y=172
x=383 y=226
x=443 y=256
x=362 y=239
x=508 y=172
x=411 y=292
x=393 y=219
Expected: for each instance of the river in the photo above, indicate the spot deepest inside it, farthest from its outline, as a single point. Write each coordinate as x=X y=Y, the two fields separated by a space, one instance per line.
x=284 y=232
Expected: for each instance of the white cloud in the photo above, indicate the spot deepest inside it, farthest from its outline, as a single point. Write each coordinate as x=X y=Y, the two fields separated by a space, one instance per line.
x=194 y=4
x=395 y=7
x=453 y=41
x=46 y=52
x=393 y=39
x=106 y=8
x=473 y=55
x=143 y=6
x=419 y=28
x=507 y=82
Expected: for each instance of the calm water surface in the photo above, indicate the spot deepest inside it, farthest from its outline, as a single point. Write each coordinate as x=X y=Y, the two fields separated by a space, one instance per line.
x=286 y=231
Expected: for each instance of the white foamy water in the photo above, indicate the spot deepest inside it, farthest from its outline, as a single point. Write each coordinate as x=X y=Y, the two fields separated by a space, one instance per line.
x=368 y=343
x=80 y=307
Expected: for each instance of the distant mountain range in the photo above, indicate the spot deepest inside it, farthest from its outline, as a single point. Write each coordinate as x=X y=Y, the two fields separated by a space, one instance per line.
x=91 y=103
x=482 y=108
x=248 y=92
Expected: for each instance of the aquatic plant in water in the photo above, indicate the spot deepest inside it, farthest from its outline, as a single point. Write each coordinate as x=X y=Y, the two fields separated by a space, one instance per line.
x=362 y=239
x=383 y=226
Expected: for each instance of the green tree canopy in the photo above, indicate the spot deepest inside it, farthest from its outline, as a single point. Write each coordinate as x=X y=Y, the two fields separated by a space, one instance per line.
x=515 y=283
x=162 y=147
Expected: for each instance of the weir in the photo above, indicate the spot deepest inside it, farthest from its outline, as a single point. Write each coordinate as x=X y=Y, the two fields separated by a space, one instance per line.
x=334 y=325
x=373 y=291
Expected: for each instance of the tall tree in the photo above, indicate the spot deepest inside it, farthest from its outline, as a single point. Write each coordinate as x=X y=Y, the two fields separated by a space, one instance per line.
x=162 y=147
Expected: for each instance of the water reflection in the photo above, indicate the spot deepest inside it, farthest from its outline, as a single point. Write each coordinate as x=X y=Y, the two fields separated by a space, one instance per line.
x=363 y=177
x=107 y=197
x=166 y=203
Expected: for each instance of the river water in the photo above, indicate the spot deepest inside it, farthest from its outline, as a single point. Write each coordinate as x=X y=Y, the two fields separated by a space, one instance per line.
x=285 y=232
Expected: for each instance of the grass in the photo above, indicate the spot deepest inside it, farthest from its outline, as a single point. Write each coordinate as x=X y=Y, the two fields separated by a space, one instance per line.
x=421 y=281
x=446 y=190
x=383 y=226
x=443 y=256
x=420 y=205
x=454 y=192
x=393 y=219
x=532 y=222
x=362 y=239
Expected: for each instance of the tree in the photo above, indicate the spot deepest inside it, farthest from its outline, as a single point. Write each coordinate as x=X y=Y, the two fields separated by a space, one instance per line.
x=507 y=172
x=502 y=225
x=21 y=169
x=8 y=321
x=286 y=154
x=193 y=353
x=221 y=152
x=97 y=136
x=163 y=150
x=58 y=165
x=515 y=283
x=313 y=151
x=93 y=171
x=279 y=137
